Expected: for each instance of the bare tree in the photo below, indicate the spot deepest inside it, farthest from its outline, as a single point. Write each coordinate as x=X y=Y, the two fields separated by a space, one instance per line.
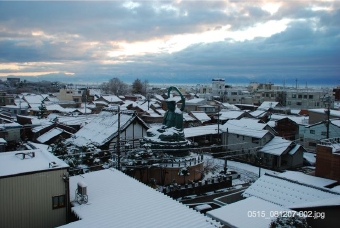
x=115 y=86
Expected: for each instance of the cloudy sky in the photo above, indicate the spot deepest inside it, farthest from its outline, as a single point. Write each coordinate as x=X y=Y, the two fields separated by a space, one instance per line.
x=172 y=41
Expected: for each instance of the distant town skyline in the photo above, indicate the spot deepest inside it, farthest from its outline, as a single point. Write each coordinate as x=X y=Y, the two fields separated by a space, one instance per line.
x=172 y=41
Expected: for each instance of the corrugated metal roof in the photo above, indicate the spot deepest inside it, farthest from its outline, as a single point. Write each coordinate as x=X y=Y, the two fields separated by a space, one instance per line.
x=117 y=200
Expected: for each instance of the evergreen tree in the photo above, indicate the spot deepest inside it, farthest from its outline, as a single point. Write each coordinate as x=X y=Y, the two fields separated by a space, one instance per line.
x=42 y=110
x=59 y=149
x=137 y=86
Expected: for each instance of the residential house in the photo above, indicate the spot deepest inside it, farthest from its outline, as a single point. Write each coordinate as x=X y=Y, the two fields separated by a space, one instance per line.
x=51 y=132
x=288 y=126
x=34 y=189
x=281 y=154
x=13 y=104
x=203 y=135
x=328 y=159
x=110 y=99
x=318 y=115
x=192 y=105
x=102 y=130
x=11 y=132
x=200 y=116
x=312 y=134
x=244 y=140
x=33 y=100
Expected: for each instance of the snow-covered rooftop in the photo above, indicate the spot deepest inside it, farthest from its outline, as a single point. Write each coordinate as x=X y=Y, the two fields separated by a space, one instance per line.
x=307 y=179
x=276 y=146
x=100 y=130
x=199 y=131
x=258 y=113
x=227 y=114
x=285 y=192
x=195 y=101
x=237 y=214
x=266 y=105
x=230 y=106
x=235 y=129
x=117 y=200
x=200 y=116
x=11 y=163
x=111 y=98
x=50 y=134
x=297 y=119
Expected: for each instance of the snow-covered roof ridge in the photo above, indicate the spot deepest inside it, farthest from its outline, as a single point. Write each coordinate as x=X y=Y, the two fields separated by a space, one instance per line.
x=266 y=105
x=276 y=146
x=286 y=192
x=102 y=128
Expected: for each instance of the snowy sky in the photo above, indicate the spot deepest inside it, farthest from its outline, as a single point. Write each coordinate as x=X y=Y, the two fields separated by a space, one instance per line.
x=172 y=41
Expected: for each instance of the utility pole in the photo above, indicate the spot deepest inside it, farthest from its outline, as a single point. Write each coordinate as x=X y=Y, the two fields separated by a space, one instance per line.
x=118 y=139
x=327 y=100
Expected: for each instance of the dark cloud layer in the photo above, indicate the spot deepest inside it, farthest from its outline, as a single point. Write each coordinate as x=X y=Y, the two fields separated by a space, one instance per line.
x=80 y=35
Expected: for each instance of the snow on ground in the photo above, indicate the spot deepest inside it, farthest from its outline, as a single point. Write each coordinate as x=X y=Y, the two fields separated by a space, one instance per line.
x=249 y=173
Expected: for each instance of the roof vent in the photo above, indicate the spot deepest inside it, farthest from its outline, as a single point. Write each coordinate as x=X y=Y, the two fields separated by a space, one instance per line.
x=81 y=193
x=22 y=155
x=52 y=164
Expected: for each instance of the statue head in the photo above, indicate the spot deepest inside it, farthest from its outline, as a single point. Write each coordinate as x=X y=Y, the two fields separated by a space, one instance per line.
x=171 y=105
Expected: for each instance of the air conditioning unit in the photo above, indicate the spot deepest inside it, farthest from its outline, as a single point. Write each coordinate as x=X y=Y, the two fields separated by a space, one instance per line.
x=82 y=188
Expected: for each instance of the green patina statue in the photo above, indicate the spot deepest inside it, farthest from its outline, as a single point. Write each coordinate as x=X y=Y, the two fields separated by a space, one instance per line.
x=170 y=135
x=174 y=116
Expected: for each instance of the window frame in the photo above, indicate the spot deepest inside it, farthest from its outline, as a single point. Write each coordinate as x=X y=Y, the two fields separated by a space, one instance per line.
x=58 y=201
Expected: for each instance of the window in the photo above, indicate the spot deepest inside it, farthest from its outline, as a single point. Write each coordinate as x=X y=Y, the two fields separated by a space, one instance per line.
x=298 y=103
x=304 y=96
x=300 y=96
x=237 y=136
x=312 y=131
x=293 y=95
x=255 y=140
x=323 y=133
x=310 y=96
x=289 y=103
x=58 y=201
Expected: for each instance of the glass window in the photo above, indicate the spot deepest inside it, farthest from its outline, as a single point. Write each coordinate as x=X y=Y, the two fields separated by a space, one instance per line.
x=310 y=96
x=58 y=201
x=293 y=95
x=300 y=96
x=312 y=131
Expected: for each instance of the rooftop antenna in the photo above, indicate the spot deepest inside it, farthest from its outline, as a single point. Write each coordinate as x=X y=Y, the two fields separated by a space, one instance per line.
x=296 y=80
x=327 y=100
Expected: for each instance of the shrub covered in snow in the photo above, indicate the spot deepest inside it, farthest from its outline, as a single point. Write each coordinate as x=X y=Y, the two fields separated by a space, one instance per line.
x=289 y=222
